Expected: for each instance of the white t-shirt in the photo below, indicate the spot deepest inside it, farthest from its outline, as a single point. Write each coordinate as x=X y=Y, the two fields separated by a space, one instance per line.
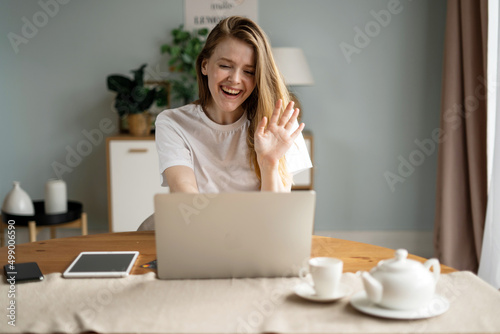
x=218 y=154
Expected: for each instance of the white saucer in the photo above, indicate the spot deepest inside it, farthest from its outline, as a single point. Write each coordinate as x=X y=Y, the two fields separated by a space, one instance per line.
x=306 y=291
x=437 y=306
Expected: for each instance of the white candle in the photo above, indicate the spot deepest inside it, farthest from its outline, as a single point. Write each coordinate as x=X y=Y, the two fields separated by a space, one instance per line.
x=56 y=200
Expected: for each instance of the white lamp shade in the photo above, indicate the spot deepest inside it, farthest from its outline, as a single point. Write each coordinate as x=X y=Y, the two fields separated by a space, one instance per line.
x=293 y=65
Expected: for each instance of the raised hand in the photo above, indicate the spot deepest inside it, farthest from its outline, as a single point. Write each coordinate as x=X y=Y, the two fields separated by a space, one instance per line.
x=273 y=140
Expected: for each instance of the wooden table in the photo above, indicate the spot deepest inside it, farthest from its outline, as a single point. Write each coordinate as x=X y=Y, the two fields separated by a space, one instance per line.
x=56 y=255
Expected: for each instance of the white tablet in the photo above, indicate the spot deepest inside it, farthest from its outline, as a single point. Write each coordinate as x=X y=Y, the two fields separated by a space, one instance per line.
x=101 y=264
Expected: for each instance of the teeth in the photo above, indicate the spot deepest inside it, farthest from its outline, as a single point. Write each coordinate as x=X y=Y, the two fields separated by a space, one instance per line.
x=230 y=91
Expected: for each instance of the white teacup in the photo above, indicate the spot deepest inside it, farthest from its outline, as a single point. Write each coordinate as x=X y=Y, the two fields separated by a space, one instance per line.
x=326 y=273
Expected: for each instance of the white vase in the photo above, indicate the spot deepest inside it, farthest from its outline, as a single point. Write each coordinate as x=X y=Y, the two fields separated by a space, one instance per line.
x=56 y=200
x=18 y=202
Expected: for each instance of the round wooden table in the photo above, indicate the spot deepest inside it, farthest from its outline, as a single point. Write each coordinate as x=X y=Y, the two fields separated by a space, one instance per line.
x=55 y=255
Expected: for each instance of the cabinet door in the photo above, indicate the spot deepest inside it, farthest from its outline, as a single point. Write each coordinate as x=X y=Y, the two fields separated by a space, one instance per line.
x=134 y=180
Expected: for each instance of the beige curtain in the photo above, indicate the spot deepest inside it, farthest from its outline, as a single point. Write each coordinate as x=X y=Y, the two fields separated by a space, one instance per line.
x=462 y=172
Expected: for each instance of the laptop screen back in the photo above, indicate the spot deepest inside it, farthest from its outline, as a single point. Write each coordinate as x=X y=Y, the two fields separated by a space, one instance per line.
x=251 y=234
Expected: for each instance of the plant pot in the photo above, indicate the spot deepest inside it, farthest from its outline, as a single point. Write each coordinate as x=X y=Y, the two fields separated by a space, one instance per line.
x=139 y=124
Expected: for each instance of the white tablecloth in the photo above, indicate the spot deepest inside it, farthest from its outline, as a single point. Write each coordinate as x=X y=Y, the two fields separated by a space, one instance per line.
x=142 y=303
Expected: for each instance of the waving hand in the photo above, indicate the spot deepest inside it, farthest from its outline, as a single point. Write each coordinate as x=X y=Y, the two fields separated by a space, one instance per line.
x=273 y=140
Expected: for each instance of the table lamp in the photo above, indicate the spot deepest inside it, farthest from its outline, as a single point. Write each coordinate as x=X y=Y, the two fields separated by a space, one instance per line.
x=293 y=66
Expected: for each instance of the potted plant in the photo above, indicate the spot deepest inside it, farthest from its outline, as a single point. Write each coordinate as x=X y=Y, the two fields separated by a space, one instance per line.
x=183 y=52
x=133 y=99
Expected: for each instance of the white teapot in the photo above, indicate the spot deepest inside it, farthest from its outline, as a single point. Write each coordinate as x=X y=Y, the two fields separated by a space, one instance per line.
x=401 y=283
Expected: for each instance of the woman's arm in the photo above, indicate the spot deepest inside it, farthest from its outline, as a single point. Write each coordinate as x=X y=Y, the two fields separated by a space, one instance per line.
x=181 y=179
x=271 y=179
x=272 y=141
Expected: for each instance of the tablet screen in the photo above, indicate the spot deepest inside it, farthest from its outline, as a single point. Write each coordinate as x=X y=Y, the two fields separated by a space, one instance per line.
x=102 y=264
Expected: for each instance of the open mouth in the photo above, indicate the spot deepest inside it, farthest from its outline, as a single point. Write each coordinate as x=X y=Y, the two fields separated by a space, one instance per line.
x=230 y=91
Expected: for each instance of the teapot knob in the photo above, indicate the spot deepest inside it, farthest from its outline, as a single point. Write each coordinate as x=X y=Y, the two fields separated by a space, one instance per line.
x=401 y=254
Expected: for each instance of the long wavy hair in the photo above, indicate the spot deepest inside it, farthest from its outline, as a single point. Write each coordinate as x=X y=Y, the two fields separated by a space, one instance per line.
x=269 y=87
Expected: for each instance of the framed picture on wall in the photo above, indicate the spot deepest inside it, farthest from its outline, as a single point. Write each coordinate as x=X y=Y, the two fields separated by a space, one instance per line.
x=207 y=13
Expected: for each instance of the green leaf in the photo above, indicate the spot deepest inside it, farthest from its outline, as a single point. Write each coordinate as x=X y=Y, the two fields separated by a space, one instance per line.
x=139 y=75
x=187 y=58
x=124 y=107
x=195 y=42
x=175 y=51
x=184 y=36
x=198 y=49
x=176 y=32
x=165 y=48
x=119 y=83
x=183 y=51
x=147 y=101
x=161 y=97
x=139 y=94
x=172 y=61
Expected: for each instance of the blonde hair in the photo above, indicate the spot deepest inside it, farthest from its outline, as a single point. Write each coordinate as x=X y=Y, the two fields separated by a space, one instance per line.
x=269 y=87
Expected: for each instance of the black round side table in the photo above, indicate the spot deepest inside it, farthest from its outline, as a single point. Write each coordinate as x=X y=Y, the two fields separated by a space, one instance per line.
x=75 y=217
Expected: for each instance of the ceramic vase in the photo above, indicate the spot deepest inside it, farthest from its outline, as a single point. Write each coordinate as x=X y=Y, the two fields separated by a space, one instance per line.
x=56 y=200
x=18 y=202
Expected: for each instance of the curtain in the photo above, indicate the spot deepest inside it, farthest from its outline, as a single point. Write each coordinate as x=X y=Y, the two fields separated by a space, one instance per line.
x=462 y=167
x=489 y=266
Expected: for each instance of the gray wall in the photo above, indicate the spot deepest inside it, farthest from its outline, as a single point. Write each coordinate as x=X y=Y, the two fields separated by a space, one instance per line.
x=365 y=112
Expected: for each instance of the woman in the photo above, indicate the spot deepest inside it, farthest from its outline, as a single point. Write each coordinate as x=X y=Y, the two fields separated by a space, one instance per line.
x=236 y=137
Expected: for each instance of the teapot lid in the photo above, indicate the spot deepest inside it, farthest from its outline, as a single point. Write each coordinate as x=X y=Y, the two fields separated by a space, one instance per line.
x=400 y=262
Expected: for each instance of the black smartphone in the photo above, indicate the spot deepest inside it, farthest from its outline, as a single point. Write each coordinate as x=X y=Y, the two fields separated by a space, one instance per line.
x=22 y=272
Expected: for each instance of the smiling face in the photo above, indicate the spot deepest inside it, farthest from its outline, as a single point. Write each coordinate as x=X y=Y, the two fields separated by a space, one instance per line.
x=231 y=79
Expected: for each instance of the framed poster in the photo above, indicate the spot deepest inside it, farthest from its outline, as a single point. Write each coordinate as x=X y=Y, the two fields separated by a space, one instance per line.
x=207 y=13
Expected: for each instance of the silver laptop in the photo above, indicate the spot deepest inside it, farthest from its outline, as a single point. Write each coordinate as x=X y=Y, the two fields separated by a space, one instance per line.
x=226 y=235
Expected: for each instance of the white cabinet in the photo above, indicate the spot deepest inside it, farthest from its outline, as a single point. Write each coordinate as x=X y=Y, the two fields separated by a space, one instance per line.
x=133 y=180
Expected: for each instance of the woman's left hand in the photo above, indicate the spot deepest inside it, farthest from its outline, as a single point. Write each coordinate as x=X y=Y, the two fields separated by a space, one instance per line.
x=273 y=140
